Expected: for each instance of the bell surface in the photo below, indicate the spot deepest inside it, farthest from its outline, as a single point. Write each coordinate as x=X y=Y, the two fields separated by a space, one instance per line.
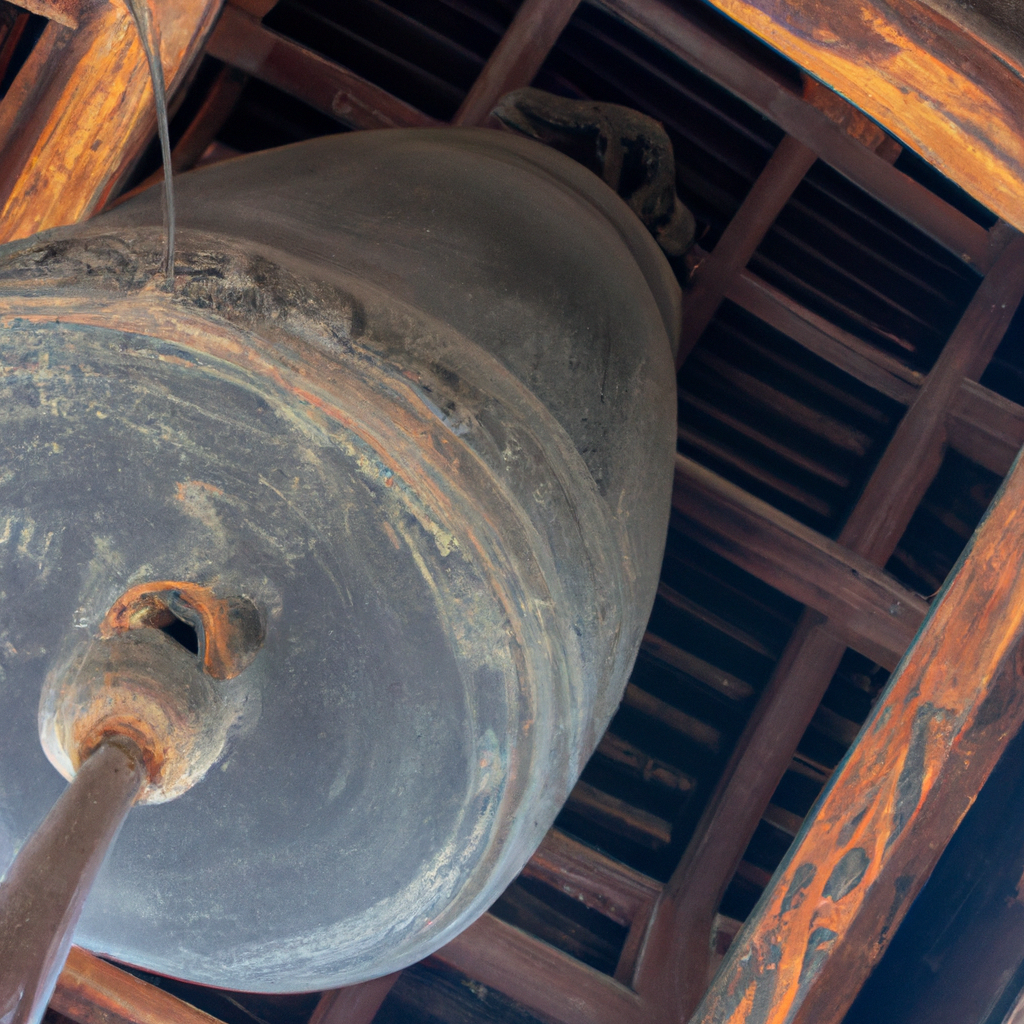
x=412 y=401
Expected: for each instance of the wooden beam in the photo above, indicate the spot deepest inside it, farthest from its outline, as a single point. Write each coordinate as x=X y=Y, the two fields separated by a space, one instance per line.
x=774 y=186
x=877 y=369
x=595 y=879
x=354 y=1004
x=80 y=111
x=92 y=991
x=986 y=427
x=935 y=87
x=860 y=599
x=714 y=57
x=243 y=42
x=517 y=58
x=909 y=463
x=540 y=977
x=882 y=823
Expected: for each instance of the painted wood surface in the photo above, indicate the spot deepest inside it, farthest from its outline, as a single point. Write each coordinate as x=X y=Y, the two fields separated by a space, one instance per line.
x=934 y=86
x=887 y=814
x=81 y=110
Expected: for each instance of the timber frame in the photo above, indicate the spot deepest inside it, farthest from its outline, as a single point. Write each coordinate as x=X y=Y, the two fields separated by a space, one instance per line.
x=952 y=704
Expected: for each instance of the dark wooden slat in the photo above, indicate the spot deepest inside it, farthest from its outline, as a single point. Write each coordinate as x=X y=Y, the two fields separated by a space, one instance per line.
x=355 y=1004
x=859 y=598
x=540 y=977
x=517 y=58
x=711 y=56
x=641 y=765
x=246 y=44
x=849 y=353
x=710 y=675
x=64 y=12
x=92 y=991
x=619 y=817
x=775 y=184
x=595 y=879
x=986 y=427
x=923 y=756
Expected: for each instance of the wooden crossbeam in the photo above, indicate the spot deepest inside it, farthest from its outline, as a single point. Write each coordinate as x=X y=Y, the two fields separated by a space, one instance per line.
x=241 y=41
x=540 y=977
x=92 y=991
x=517 y=58
x=877 y=369
x=986 y=427
x=80 y=111
x=874 y=838
x=862 y=601
x=596 y=880
x=354 y=1004
x=715 y=58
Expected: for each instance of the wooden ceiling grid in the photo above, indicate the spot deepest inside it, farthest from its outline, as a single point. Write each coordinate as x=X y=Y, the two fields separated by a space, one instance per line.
x=788 y=543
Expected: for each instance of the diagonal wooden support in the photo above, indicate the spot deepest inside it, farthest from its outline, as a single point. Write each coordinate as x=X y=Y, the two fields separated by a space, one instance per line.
x=354 y=1004
x=885 y=818
x=517 y=58
x=672 y=969
x=81 y=110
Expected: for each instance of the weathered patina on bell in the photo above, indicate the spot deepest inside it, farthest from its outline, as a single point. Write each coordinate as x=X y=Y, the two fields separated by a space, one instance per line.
x=407 y=421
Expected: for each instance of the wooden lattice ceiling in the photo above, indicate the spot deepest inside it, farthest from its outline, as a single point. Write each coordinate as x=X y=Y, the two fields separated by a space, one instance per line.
x=848 y=407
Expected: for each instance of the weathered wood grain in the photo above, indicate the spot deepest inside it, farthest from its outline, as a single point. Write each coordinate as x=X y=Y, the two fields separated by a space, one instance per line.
x=931 y=742
x=92 y=991
x=243 y=42
x=517 y=58
x=81 y=110
x=934 y=86
x=715 y=57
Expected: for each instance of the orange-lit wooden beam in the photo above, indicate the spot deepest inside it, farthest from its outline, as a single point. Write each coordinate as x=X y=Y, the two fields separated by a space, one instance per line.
x=933 y=85
x=81 y=109
x=886 y=816
x=92 y=991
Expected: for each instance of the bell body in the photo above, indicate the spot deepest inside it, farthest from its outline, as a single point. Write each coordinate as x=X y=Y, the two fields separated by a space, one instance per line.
x=413 y=401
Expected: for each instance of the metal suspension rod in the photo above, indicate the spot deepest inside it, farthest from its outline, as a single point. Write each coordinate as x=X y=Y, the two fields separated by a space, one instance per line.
x=45 y=889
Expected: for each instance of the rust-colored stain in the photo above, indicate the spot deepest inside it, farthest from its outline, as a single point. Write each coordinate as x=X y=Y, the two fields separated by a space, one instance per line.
x=183 y=490
x=232 y=632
